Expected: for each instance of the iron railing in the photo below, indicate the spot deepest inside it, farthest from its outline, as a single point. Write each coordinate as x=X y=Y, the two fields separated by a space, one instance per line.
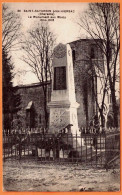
x=96 y=149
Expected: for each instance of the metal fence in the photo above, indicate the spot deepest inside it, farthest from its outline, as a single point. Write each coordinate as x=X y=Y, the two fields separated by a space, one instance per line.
x=86 y=148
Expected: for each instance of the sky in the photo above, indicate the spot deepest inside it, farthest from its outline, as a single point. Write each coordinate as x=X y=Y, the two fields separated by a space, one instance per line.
x=66 y=29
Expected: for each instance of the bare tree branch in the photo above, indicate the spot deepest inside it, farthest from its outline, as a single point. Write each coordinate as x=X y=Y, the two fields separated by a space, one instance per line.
x=38 y=47
x=11 y=25
x=101 y=22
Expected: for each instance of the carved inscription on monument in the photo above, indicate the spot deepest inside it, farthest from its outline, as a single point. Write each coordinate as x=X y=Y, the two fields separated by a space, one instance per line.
x=60 y=78
x=59 y=118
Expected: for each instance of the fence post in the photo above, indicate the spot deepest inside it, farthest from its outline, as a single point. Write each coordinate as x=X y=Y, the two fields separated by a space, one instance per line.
x=54 y=147
x=91 y=146
x=20 y=146
x=8 y=143
x=81 y=146
x=105 y=163
x=96 y=147
x=4 y=140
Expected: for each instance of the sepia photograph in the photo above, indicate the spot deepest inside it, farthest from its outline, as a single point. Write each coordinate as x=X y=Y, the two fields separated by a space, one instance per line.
x=61 y=96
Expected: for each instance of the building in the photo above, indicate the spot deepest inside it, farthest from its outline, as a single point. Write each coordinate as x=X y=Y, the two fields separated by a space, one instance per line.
x=32 y=105
x=85 y=53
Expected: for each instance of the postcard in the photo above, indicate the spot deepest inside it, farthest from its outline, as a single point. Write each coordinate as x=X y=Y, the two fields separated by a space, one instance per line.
x=61 y=97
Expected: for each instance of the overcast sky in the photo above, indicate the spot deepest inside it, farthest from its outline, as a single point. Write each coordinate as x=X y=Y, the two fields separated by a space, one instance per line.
x=66 y=30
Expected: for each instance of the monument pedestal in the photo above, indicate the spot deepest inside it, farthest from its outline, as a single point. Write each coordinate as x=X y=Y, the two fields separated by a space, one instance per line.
x=62 y=114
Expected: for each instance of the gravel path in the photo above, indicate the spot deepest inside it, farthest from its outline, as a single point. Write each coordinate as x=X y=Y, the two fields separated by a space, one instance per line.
x=31 y=175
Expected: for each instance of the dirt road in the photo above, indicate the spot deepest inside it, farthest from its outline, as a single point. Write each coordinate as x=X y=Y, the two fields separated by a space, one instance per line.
x=31 y=175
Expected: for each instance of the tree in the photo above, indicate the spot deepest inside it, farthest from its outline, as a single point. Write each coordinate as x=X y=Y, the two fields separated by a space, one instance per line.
x=10 y=28
x=10 y=33
x=38 y=48
x=11 y=99
x=101 y=22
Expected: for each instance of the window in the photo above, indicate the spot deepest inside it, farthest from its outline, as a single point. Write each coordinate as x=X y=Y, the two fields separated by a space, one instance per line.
x=92 y=54
x=60 y=78
x=73 y=55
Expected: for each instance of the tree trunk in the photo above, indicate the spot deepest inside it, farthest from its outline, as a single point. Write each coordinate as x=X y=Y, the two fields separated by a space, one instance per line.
x=114 y=107
x=112 y=88
x=45 y=106
x=85 y=98
x=101 y=117
x=46 y=114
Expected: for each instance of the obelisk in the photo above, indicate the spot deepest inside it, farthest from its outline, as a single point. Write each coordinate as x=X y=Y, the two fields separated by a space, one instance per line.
x=63 y=105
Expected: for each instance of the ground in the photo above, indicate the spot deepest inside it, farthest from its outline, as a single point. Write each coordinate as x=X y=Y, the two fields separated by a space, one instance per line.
x=32 y=175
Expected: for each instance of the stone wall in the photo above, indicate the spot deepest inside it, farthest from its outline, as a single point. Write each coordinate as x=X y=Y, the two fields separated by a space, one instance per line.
x=34 y=93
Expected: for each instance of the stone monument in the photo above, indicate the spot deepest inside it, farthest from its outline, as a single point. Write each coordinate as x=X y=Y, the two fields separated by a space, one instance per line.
x=63 y=105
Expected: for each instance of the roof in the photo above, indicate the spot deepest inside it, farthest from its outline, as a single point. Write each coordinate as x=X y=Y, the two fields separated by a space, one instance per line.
x=34 y=84
x=88 y=39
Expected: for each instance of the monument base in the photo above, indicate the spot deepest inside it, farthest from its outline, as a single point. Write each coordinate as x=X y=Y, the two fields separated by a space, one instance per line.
x=62 y=114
